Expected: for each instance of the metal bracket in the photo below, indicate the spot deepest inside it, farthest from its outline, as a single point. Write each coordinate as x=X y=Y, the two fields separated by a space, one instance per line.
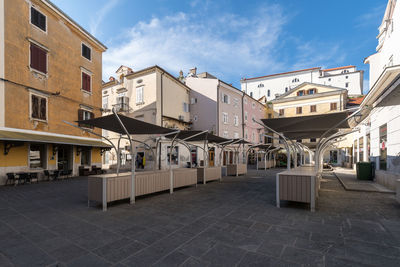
x=104 y=149
x=9 y=145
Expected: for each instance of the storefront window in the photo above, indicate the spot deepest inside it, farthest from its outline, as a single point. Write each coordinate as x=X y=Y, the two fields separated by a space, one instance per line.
x=174 y=156
x=37 y=156
x=383 y=146
x=86 y=156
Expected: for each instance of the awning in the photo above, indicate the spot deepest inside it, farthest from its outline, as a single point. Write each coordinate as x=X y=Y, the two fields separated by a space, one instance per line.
x=8 y=135
x=199 y=136
x=304 y=127
x=133 y=126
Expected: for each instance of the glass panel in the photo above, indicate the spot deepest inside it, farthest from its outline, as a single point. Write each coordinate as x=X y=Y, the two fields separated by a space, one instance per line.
x=37 y=156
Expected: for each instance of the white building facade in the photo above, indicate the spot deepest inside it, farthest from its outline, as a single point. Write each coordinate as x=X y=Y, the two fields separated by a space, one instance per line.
x=272 y=86
x=379 y=138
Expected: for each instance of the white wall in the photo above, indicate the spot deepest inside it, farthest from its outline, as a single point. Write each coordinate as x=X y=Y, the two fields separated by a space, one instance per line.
x=388 y=47
x=277 y=84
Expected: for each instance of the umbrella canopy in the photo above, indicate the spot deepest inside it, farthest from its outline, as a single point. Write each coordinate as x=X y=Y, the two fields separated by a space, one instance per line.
x=133 y=126
x=193 y=136
x=314 y=126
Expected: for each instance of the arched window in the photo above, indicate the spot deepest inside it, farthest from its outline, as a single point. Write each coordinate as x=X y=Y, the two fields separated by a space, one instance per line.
x=295 y=80
x=286 y=89
x=269 y=93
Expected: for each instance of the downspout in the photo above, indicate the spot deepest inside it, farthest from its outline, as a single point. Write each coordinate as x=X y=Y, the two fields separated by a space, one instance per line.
x=243 y=124
x=218 y=103
x=162 y=99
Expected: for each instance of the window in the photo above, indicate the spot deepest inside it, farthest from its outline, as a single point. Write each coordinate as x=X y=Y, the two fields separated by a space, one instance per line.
x=313 y=108
x=185 y=107
x=299 y=140
x=260 y=85
x=245 y=116
x=383 y=147
x=253 y=137
x=235 y=102
x=86 y=82
x=361 y=148
x=226 y=134
x=300 y=93
x=225 y=98
x=225 y=117
x=38 y=57
x=174 y=155
x=105 y=102
x=333 y=106
x=86 y=156
x=281 y=112
x=122 y=103
x=236 y=135
x=38 y=107
x=329 y=79
x=347 y=77
x=355 y=159
x=269 y=93
x=38 y=19
x=86 y=52
x=313 y=140
x=253 y=105
x=37 y=156
x=345 y=71
x=193 y=100
x=236 y=120
x=85 y=115
x=347 y=85
x=299 y=110
x=245 y=134
x=295 y=80
x=312 y=91
x=286 y=89
x=195 y=117
x=251 y=94
x=139 y=95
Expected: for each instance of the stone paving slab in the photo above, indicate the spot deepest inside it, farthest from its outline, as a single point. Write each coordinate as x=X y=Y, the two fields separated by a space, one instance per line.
x=230 y=223
x=348 y=179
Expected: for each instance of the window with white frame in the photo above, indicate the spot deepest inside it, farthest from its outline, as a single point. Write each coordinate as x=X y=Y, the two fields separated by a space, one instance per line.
x=37 y=156
x=245 y=116
x=105 y=102
x=185 y=107
x=86 y=52
x=38 y=107
x=224 y=117
x=236 y=120
x=139 y=95
x=225 y=98
x=38 y=19
x=86 y=81
x=38 y=58
x=253 y=105
x=226 y=134
x=174 y=156
x=235 y=102
x=193 y=100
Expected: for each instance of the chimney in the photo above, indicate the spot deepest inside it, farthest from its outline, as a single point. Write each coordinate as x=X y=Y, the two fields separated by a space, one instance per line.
x=181 y=76
x=193 y=71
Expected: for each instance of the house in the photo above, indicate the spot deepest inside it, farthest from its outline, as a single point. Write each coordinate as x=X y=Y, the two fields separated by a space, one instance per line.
x=50 y=71
x=274 y=85
x=311 y=99
x=152 y=95
x=379 y=137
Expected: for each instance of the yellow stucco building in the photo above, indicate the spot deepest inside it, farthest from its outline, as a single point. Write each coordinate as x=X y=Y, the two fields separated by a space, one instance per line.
x=50 y=71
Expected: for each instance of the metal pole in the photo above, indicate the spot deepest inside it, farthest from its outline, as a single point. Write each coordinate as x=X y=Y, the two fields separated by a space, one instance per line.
x=133 y=157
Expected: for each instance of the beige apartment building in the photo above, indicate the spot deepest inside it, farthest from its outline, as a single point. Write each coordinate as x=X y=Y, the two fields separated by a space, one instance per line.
x=50 y=71
x=312 y=99
x=152 y=95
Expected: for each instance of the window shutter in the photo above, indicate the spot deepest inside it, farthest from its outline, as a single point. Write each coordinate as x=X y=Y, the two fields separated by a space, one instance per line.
x=80 y=114
x=43 y=108
x=35 y=107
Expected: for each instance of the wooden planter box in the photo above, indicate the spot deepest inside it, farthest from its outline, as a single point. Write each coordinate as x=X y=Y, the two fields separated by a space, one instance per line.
x=236 y=169
x=211 y=174
x=299 y=185
x=184 y=177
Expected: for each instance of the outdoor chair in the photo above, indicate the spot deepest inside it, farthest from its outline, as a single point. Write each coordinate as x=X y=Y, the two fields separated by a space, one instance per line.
x=33 y=177
x=10 y=177
x=56 y=175
x=47 y=174
x=23 y=176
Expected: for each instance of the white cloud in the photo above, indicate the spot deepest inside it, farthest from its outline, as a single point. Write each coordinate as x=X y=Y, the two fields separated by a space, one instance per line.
x=225 y=44
x=372 y=17
x=100 y=15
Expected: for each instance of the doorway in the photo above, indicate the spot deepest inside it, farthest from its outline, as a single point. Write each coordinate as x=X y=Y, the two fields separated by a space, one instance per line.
x=64 y=158
x=211 y=157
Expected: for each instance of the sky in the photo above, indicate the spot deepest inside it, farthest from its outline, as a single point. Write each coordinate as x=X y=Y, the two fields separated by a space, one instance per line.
x=231 y=39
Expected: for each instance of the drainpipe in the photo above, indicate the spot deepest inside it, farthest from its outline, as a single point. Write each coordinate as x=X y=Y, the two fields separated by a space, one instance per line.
x=243 y=123
x=218 y=103
x=162 y=99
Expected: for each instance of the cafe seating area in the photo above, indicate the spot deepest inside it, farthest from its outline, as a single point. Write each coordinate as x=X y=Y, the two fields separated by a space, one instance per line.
x=30 y=177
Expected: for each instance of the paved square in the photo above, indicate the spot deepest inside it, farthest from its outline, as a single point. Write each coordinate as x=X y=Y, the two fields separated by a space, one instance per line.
x=232 y=223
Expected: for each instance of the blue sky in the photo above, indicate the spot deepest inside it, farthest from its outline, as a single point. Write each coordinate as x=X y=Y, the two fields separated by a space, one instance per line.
x=231 y=39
